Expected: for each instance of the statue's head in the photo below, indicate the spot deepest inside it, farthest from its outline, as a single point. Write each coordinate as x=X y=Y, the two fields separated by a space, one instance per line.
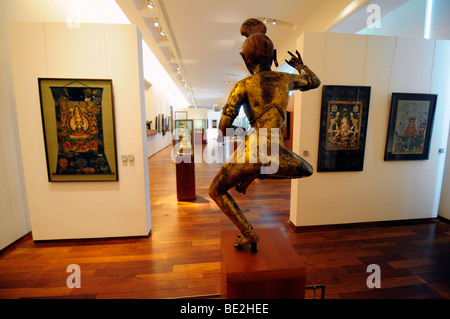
x=258 y=50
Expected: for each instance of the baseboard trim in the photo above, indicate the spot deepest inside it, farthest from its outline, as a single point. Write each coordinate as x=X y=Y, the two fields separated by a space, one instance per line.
x=14 y=243
x=388 y=223
x=443 y=219
x=88 y=241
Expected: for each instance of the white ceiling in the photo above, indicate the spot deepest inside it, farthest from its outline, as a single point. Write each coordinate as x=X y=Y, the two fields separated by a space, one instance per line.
x=203 y=37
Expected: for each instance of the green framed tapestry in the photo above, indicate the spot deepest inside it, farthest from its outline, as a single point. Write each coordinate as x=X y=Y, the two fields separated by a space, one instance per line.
x=78 y=123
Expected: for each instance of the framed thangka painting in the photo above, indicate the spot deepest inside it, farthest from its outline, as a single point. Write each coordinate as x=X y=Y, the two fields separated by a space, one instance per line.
x=78 y=122
x=410 y=126
x=343 y=127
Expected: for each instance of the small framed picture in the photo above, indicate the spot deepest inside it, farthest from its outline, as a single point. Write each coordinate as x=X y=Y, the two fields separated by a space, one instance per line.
x=343 y=127
x=410 y=126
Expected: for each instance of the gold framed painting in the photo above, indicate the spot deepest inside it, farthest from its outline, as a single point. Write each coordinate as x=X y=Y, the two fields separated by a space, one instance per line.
x=79 y=134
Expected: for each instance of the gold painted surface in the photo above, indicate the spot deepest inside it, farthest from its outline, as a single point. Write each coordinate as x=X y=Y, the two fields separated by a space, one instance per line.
x=264 y=96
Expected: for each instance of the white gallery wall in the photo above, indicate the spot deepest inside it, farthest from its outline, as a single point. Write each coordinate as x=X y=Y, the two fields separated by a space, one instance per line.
x=444 y=205
x=410 y=19
x=157 y=103
x=14 y=216
x=383 y=190
x=212 y=115
x=98 y=51
x=161 y=93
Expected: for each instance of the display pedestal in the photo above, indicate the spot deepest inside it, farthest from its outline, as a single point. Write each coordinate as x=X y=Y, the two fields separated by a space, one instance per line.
x=274 y=272
x=185 y=170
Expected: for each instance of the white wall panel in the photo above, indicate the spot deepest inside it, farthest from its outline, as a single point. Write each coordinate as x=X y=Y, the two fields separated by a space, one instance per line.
x=383 y=190
x=82 y=210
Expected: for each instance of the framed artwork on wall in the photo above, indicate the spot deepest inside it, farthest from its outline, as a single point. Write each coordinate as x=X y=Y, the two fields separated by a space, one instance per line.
x=410 y=126
x=170 y=123
x=343 y=128
x=79 y=134
x=160 y=128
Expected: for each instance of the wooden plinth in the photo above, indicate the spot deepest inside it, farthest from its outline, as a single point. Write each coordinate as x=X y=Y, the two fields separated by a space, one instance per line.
x=185 y=169
x=274 y=272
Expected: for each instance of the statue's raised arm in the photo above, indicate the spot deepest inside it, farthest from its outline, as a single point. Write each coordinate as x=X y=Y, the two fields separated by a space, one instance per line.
x=306 y=80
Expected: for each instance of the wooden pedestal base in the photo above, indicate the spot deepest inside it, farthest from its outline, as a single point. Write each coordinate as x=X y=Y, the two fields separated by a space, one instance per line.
x=185 y=169
x=274 y=272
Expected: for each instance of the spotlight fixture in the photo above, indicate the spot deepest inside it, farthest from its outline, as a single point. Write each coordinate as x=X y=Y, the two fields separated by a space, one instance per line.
x=162 y=32
x=266 y=20
x=150 y=5
x=156 y=23
x=274 y=22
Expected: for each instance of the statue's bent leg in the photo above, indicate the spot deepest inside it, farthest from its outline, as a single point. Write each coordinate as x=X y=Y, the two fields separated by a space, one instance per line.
x=228 y=177
x=290 y=166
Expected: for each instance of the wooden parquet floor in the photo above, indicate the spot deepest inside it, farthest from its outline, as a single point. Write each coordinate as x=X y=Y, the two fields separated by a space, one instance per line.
x=182 y=258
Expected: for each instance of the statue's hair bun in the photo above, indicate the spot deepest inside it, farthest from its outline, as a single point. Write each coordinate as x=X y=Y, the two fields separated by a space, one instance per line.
x=252 y=26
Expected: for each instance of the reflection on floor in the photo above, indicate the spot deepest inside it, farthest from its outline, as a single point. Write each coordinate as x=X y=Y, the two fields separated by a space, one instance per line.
x=182 y=257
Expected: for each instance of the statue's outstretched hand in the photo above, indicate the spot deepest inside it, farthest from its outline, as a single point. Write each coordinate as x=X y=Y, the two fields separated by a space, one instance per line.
x=295 y=61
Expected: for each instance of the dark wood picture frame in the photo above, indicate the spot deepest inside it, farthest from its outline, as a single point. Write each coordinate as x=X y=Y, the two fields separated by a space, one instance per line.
x=343 y=128
x=410 y=126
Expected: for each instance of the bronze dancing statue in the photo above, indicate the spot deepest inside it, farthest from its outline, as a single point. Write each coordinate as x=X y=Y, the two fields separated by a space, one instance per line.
x=264 y=96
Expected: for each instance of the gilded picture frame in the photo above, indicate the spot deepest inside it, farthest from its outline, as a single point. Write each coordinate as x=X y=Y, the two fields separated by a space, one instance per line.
x=78 y=127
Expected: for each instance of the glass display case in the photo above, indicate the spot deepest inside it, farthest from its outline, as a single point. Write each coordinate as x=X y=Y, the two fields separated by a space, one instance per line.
x=183 y=136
